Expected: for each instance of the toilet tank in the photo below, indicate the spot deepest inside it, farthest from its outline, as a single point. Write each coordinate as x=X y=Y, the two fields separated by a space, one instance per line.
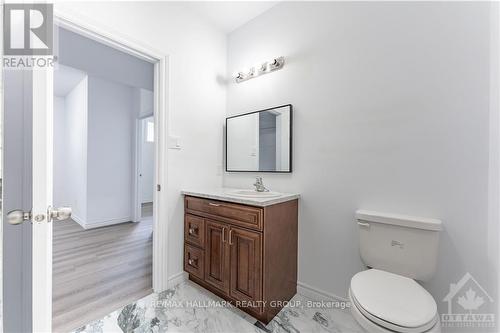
x=400 y=244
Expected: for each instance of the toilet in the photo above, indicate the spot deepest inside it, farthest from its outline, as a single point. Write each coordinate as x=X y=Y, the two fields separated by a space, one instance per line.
x=399 y=251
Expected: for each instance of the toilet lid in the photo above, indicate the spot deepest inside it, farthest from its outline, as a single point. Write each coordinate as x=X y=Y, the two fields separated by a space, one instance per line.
x=393 y=298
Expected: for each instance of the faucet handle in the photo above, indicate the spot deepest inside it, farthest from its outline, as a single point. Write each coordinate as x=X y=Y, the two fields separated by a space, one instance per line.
x=259 y=185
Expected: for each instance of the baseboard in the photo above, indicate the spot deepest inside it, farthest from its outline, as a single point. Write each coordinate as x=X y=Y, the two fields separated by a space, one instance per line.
x=317 y=294
x=177 y=279
x=302 y=289
x=105 y=223
x=78 y=220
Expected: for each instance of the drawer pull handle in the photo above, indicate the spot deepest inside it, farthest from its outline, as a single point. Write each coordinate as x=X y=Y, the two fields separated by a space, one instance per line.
x=231 y=237
x=223 y=234
x=213 y=204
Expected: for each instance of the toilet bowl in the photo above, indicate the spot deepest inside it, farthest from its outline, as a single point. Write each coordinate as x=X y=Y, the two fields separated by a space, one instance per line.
x=399 y=250
x=385 y=302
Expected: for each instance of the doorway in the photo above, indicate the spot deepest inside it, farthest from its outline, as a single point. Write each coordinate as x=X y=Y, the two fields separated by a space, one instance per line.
x=102 y=255
x=145 y=167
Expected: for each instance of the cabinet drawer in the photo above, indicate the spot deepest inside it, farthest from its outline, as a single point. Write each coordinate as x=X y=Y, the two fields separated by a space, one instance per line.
x=194 y=230
x=245 y=216
x=194 y=261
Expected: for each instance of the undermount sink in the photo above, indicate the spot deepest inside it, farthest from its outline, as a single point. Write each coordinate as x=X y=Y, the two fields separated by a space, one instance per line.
x=254 y=194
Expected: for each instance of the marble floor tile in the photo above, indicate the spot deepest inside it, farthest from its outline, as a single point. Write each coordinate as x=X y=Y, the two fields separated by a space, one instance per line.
x=190 y=308
x=306 y=315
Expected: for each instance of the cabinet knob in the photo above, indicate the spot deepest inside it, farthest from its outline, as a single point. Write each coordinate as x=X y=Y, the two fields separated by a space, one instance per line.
x=192 y=262
x=191 y=231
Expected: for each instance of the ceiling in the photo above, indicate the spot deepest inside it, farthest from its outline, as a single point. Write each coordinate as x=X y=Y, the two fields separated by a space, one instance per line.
x=229 y=15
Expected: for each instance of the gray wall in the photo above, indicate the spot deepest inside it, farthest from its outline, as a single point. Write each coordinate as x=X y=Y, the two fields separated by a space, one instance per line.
x=392 y=113
x=17 y=195
x=110 y=152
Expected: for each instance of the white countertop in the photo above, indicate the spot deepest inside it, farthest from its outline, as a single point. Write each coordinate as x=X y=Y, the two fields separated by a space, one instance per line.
x=224 y=194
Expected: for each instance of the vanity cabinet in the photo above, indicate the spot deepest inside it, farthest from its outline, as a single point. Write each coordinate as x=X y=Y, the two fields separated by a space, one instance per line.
x=244 y=254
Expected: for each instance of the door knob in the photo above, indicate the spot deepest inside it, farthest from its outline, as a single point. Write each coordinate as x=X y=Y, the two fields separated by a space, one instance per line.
x=59 y=214
x=18 y=216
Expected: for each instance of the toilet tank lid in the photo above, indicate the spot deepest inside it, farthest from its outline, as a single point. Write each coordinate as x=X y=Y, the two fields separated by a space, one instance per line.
x=424 y=223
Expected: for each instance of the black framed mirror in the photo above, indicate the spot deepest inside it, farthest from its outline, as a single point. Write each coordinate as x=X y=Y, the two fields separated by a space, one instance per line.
x=260 y=141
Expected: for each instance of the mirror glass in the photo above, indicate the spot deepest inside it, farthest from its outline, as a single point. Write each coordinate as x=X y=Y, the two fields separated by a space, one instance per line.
x=260 y=141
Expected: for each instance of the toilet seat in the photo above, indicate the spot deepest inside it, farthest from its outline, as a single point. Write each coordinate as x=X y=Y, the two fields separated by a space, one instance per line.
x=392 y=302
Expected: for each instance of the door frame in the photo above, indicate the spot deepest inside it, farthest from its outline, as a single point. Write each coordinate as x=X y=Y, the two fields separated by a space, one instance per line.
x=137 y=211
x=42 y=284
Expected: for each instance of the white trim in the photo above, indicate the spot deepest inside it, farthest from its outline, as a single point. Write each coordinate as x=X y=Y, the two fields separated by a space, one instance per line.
x=160 y=211
x=177 y=279
x=42 y=166
x=317 y=294
x=107 y=36
x=105 y=223
x=78 y=220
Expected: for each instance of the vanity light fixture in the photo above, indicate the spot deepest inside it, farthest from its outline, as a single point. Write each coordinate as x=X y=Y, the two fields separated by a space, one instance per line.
x=264 y=68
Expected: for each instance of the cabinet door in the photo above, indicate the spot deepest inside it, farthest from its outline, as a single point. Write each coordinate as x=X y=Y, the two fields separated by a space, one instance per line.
x=217 y=255
x=246 y=265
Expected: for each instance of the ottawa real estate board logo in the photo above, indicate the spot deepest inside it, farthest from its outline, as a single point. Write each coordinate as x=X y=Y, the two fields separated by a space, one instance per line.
x=28 y=36
x=469 y=305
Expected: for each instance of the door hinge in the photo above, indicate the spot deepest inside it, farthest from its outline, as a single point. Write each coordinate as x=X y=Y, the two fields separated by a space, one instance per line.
x=158 y=187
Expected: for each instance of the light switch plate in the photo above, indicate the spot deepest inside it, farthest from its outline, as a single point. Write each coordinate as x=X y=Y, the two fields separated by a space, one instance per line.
x=174 y=142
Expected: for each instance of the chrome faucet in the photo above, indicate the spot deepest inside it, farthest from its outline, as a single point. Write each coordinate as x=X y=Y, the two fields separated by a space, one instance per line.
x=259 y=185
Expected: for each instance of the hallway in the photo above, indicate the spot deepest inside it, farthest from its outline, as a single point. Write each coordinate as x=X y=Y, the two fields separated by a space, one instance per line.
x=99 y=270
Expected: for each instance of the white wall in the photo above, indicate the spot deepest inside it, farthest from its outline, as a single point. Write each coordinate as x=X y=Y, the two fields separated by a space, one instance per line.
x=391 y=113
x=111 y=122
x=196 y=92
x=102 y=61
x=494 y=161
x=75 y=195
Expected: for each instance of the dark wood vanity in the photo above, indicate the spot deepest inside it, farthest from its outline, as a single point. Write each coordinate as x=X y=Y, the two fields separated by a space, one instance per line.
x=245 y=254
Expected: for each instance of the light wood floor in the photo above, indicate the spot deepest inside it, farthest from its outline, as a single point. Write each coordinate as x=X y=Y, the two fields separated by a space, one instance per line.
x=98 y=271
